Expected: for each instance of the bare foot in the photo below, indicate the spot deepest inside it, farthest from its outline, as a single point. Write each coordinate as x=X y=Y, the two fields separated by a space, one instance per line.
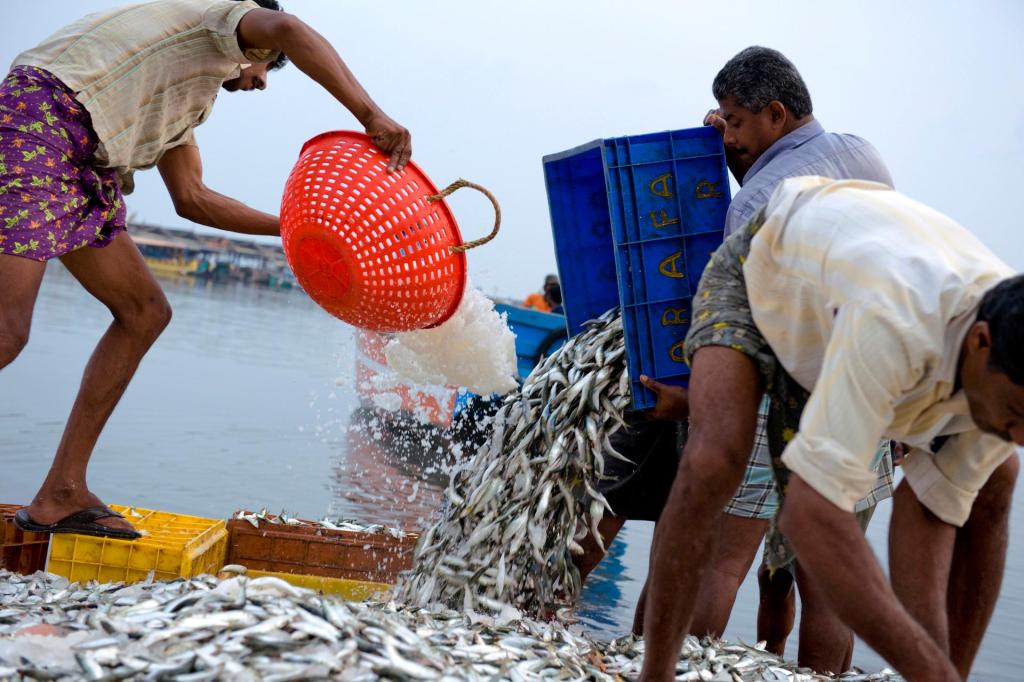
x=50 y=509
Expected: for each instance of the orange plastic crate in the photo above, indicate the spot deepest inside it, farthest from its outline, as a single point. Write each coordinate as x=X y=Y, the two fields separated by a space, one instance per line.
x=21 y=552
x=315 y=551
x=173 y=546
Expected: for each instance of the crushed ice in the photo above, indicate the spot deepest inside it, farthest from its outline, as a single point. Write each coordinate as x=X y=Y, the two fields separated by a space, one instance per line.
x=474 y=349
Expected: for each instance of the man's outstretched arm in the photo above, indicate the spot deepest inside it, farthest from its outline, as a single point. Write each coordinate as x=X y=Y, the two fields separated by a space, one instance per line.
x=832 y=549
x=182 y=171
x=725 y=389
x=315 y=57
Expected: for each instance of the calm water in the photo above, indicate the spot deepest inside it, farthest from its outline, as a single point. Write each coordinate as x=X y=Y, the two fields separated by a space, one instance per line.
x=248 y=400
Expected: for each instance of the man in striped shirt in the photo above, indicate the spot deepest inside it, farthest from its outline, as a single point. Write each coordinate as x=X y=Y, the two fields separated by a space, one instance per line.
x=110 y=94
x=854 y=341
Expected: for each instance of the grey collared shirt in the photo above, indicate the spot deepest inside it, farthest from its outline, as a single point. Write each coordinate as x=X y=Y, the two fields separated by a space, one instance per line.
x=808 y=150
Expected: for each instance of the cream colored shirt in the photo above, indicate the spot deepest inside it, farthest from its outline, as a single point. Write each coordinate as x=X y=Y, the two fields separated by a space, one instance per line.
x=148 y=73
x=865 y=296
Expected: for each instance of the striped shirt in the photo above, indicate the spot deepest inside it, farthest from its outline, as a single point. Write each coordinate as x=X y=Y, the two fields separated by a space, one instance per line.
x=874 y=333
x=148 y=73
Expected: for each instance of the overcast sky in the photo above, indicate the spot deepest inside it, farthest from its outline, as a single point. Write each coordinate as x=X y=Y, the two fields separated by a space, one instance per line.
x=488 y=88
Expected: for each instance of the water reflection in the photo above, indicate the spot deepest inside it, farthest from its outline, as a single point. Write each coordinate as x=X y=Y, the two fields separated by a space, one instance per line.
x=390 y=469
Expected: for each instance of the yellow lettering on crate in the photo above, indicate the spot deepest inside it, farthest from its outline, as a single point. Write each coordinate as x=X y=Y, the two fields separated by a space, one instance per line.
x=674 y=316
x=676 y=352
x=660 y=186
x=663 y=220
x=668 y=266
x=708 y=190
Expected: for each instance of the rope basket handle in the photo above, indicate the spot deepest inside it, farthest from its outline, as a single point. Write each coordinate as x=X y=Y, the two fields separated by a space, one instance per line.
x=459 y=184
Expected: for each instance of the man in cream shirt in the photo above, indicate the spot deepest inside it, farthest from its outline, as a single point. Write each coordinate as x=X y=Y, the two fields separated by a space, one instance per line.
x=854 y=340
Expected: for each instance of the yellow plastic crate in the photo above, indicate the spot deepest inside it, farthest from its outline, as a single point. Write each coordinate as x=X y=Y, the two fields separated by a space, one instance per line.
x=173 y=546
x=350 y=590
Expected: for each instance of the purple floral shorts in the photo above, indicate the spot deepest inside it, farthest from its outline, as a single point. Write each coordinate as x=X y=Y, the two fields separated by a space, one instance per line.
x=52 y=199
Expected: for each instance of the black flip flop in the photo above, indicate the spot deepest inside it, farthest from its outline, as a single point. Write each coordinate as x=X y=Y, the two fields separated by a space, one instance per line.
x=81 y=522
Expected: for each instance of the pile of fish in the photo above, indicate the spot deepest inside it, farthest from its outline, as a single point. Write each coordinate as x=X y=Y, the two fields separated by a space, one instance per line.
x=240 y=629
x=326 y=523
x=516 y=510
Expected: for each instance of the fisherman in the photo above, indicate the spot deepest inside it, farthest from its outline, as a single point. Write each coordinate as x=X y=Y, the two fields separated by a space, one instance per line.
x=854 y=340
x=766 y=119
x=107 y=95
x=549 y=300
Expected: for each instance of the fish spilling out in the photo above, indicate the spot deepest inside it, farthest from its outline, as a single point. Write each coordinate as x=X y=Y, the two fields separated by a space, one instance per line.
x=518 y=508
x=241 y=629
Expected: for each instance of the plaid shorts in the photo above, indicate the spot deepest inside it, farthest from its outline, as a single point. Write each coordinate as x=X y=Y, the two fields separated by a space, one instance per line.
x=722 y=317
x=756 y=498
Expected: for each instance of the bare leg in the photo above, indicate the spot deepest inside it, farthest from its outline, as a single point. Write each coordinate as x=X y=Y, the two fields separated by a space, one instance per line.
x=117 y=276
x=738 y=540
x=978 y=561
x=776 y=608
x=19 y=286
x=826 y=645
x=609 y=527
x=920 y=571
x=725 y=390
x=641 y=604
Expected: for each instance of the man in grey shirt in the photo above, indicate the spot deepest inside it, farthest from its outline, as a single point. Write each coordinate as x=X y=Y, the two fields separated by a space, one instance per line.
x=765 y=117
x=801 y=146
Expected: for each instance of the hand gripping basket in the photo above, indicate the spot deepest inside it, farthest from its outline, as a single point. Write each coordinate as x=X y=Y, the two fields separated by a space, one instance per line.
x=381 y=251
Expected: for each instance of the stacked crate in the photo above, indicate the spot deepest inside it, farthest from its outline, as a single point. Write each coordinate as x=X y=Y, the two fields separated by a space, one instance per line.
x=635 y=220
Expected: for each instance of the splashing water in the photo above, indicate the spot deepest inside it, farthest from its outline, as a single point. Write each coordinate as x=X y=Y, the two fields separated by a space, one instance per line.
x=474 y=349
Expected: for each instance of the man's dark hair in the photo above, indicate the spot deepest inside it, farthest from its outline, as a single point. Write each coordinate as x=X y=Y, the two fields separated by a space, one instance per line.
x=1003 y=308
x=281 y=58
x=759 y=75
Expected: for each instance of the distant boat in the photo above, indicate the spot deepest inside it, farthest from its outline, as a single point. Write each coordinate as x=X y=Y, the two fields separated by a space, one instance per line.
x=537 y=334
x=166 y=254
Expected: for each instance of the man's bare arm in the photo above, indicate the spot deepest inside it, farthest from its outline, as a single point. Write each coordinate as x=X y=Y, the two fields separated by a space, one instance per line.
x=832 y=549
x=315 y=57
x=182 y=171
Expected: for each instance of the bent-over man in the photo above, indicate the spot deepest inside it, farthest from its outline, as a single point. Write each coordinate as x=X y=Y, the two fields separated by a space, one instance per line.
x=853 y=341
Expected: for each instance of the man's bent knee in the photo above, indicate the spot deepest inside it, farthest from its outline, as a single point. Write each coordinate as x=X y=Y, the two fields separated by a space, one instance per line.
x=146 y=315
x=774 y=586
x=12 y=341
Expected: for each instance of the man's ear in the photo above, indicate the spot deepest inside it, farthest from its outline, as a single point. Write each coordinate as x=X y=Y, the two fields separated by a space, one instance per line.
x=777 y=112
x=980 y=335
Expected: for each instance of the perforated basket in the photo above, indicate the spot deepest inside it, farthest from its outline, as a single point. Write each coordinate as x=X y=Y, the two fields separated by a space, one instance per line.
x=379 y=250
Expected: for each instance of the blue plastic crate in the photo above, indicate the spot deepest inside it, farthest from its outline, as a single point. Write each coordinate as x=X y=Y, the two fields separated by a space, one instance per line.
x=635 y=220
x=578 y=199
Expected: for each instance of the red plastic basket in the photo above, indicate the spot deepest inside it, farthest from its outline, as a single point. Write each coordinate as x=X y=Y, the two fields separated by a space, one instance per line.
x=381 y=251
